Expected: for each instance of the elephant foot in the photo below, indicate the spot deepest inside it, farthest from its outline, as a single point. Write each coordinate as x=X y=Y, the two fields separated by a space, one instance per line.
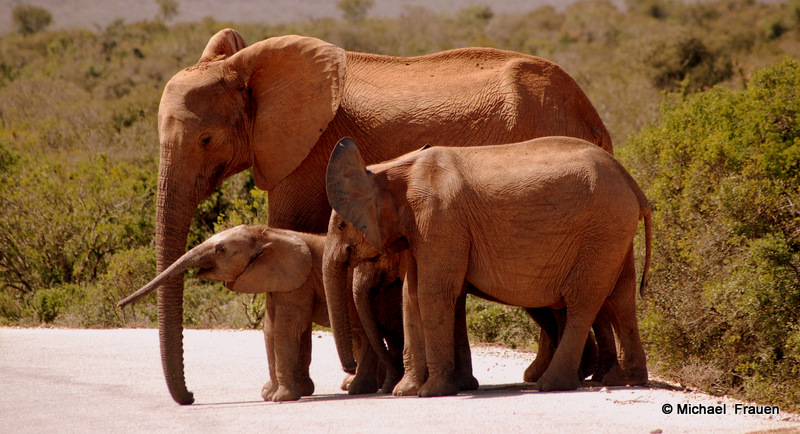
x=285 y=394
x=393 y=377
x=278 y=392
x=439 y=386
x=408 y=386
x=552 y=380
x=268 y=390
x=622 y=377
x=536 y=369
x=363 y=384
x=603 y=368
x=306 y=386
x=467 y=382
x=348 y=378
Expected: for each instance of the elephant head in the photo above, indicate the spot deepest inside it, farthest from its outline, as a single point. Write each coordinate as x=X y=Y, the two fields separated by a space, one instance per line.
x=251 y=259
x=262 y=106
x=355 y=237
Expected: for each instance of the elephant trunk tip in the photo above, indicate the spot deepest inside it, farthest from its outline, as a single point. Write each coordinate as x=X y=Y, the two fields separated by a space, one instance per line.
x=124 y=302
x=349 y=367
x=187 y=399
x=134 y=297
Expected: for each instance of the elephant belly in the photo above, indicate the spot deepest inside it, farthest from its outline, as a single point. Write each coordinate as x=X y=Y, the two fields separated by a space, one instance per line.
x=536 y=282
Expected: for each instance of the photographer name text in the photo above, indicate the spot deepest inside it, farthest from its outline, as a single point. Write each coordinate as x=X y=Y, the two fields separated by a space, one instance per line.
x=720 y=409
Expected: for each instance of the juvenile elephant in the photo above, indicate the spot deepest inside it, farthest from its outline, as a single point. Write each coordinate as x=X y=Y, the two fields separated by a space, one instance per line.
x=280 y=105
x=545 y=223
x=287 y=266
x=374 y=275
x=377 y=286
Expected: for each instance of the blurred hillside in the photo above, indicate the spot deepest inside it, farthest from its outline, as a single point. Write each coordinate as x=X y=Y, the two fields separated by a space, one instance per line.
x=91 y=14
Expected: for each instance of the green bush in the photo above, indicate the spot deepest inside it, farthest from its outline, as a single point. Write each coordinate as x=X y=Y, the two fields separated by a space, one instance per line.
x=722 y=169
x=494 y=322
x=61 y=226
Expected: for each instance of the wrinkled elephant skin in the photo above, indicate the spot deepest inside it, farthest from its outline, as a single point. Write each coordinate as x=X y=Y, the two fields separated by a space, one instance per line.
x=281 y=104
x=544 y=223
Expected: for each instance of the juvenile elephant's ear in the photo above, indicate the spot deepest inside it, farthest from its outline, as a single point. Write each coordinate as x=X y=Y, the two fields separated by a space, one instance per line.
x=296 y=85
x=352 y=191
x=224 y=44
x=282 y=264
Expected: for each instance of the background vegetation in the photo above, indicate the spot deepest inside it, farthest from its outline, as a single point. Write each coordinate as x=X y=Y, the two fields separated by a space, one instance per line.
x=700 y=98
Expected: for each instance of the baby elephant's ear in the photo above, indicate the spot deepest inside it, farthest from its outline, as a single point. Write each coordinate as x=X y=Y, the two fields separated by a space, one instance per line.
x=281 y=264
x=352 y=191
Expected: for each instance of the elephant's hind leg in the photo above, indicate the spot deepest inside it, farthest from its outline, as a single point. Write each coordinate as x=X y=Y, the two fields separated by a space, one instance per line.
x=561 y=374
x=583 y=293
x=548 y=336
x=463 y=355
x=631 y=366
x=606 y=345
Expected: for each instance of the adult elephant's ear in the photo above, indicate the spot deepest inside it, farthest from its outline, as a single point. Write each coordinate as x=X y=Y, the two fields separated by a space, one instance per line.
x=224 y=44
x=353 y=192
x=296 y=85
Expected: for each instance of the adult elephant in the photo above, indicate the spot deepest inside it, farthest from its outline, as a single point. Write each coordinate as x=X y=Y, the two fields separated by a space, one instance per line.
x=280 y=105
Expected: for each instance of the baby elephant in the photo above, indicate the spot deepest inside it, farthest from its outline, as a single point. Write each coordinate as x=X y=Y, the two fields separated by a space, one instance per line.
x=287 y=266
x=544 y=223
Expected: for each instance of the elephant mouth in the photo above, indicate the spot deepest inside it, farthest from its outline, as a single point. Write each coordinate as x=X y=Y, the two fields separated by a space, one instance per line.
x=204 y=271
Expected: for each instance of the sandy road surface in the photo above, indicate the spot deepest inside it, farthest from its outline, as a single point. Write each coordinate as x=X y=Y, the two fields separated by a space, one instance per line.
x=111 y=381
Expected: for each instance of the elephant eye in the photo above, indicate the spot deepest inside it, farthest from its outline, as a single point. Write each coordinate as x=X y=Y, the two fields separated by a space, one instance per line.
x=341 y=225
x=219 y=249
x=205 y=140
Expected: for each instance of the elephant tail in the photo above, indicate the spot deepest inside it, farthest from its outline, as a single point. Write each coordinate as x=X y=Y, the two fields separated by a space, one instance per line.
x=646 y=214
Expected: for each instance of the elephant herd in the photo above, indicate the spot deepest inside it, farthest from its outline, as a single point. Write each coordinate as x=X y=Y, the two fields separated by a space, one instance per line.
x=397 y=186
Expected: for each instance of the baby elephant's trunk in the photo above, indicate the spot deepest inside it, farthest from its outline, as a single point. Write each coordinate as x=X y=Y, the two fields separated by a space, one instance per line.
x=188 y=260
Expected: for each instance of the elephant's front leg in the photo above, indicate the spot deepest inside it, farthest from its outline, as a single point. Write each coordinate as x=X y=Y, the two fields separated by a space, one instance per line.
x=440 y=284
x=414 y=364
x=292 y=345
x=269 y=340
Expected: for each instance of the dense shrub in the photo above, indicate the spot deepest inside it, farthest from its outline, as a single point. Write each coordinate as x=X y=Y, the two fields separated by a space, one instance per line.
x=722 y=169
x=494 y=322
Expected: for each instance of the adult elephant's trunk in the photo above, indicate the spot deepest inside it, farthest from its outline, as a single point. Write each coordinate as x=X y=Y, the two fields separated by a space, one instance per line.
x=334 y=276
x=173 y=217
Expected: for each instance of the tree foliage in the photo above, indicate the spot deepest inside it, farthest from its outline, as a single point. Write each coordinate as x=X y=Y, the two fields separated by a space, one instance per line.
x=29 y=19
x=167 y=10
x=355 y=11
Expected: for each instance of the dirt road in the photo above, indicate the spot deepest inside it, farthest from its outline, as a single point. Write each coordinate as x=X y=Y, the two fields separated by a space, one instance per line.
x=111 y=381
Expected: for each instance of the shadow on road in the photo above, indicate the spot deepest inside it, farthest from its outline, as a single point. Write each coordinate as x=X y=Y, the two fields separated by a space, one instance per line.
x=483 y=392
